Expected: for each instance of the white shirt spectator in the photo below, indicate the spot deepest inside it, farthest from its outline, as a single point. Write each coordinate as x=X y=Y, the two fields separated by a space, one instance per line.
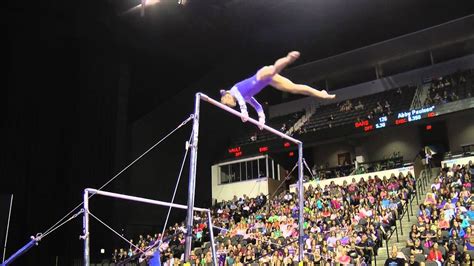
x=436 y=186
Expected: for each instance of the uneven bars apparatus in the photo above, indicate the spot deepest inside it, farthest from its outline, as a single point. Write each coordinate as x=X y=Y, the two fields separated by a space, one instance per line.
x=86 y=236
x=193 y=166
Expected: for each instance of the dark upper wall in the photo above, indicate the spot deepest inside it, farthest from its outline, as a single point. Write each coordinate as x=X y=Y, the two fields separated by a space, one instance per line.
x=372 y=147
x=403 y=53
x=461 y=131
x=59 y=126
x=452 y=130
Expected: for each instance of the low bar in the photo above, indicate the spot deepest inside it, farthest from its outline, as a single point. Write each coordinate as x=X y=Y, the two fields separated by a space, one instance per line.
x=25 y=248
x=251 y=120
x=144 y=200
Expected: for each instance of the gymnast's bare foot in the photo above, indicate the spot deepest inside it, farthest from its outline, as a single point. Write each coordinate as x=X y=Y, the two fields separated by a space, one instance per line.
x=292 y=56
x=326 y=95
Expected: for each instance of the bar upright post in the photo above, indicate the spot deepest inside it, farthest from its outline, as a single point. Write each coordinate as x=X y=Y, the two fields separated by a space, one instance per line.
x=300 y=202
x=192 y=179
x=85 y=226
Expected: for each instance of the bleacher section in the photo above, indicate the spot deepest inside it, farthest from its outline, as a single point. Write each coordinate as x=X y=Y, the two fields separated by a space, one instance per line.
x=398 y=99
x=450 y=88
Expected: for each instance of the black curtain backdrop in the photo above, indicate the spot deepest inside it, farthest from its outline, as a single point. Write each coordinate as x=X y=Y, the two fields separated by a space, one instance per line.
x=59 y=127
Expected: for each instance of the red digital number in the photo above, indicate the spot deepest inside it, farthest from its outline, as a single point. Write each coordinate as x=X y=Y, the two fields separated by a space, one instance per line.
x=400 y=121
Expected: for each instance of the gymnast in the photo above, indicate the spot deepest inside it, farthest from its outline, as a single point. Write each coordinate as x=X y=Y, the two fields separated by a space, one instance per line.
x=245 y=90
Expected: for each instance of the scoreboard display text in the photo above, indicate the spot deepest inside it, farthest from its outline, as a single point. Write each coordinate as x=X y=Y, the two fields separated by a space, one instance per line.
x=364 y=125
x=398 y=119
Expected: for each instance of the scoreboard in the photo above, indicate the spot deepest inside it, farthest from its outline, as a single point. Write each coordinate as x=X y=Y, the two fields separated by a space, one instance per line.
x=363 y=125
x=238 y=151
x=397 y=119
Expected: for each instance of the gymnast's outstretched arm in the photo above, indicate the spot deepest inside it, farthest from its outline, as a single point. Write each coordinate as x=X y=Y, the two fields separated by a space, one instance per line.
x=240 y=100
x=258 y=107
x=286 y=85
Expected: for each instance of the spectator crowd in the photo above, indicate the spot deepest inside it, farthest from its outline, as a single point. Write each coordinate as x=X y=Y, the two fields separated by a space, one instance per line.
x=344 y=224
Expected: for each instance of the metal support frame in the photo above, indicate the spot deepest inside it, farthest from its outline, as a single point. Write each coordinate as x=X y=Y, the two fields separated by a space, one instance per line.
x=86 y=234
x=211 y=235
x=192 y=181
x=192 y=172
x=300 y=201
x=85 y=229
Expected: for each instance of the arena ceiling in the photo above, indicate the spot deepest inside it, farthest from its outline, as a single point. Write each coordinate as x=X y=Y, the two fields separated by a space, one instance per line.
x=173 y=46
x=200 y=36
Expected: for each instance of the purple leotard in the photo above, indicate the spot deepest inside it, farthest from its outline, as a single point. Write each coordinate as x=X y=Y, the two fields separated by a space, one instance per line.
x=251 y=86
x=247 y=88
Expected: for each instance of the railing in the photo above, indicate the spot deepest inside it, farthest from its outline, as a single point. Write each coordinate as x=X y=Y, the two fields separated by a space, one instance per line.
x=416 y=102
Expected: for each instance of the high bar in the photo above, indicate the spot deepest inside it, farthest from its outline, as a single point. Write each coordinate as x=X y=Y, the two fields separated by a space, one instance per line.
x=251 y=120
x=144 y=200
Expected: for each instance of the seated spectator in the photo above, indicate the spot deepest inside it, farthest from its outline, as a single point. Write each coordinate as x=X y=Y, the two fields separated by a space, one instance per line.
x=365 y=248
x=440 y=238
x=413 y=235
x=346 y=106
x=359 y=106
x=451 y=261
x=453 y=96
x=378 y=109
x=393 y=259
x=412 y=262
x=427 y=236
x=446 y=82
x=445 y=98
x=453 y=250
x=469 y=244
x=428 y=101
x=430 y=199
x=417 y=247
x=466 y=260
x=435 y=254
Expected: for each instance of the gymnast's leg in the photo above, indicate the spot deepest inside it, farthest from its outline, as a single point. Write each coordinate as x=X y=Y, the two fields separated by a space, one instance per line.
x=286 y=85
